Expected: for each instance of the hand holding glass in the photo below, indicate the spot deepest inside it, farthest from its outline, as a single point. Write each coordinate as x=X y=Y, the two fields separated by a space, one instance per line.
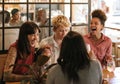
x=110 y=65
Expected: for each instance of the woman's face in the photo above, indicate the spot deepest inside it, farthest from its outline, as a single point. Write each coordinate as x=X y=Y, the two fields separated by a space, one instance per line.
x=33 y=38
x=96 y=26
x=61 y=32
x=41 y=14
x=16 y=16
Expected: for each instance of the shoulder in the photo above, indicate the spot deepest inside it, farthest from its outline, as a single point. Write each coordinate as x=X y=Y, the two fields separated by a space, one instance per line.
x=12 y=52
x=107 y=39
x=55 y=70
x=95 y=64
x=46 y=40
x=13 y=45
x=86 y=36
x=54 y=74
x=12 y=49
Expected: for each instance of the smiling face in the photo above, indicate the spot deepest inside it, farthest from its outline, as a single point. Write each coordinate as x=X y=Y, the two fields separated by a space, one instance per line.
x=61 y=32
x=96 y=26
x=33 y=38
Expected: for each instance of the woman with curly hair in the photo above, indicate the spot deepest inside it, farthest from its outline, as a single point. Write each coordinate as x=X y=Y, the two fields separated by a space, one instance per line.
x=61 y=26
x=100 y=44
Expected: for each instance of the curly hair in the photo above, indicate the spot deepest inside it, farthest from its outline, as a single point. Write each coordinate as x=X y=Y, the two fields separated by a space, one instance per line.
x=60 y=21
x=99 y=14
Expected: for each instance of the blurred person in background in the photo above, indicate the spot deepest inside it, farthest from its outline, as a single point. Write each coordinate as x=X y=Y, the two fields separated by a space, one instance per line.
x=43 y=22
x=15 y=19
x=42 y=18
x=6 y=17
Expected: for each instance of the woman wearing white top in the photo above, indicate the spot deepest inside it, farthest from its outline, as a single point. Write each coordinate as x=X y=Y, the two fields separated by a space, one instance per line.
x=61 y=26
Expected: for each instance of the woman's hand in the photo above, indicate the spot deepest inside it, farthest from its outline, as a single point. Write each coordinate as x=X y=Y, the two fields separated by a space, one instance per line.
x=110 y=63
x=109 y=58
x=47 y=50
x=92 y=55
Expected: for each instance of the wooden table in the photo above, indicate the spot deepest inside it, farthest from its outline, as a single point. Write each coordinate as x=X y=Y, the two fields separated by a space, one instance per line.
x=12 y=82
x=15 y=83
x=112 y=77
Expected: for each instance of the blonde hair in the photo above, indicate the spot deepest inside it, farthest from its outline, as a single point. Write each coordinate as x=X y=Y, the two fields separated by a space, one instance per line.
x=60 y=21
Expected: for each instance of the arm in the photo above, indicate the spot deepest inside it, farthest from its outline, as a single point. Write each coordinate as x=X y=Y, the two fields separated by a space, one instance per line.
x=100 y=72
x=8 y=75
x=42 y=43
x=92 y=55
x=108 y=59
x=43 y=55
x=108 y=53
x=109 y=50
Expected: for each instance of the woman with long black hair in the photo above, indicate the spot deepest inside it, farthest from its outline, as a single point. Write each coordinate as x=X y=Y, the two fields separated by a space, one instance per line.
x=74 y=63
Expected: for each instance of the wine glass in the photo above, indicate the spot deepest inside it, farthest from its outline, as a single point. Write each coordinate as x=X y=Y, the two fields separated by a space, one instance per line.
x=88 y=47
x=111 y=66
x=106 y=79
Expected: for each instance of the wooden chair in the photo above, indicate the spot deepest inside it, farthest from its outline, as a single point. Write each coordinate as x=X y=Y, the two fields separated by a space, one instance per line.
x=2 y=63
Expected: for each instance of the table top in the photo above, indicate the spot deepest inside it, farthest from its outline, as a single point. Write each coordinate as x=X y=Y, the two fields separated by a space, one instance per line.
x=112 y=77
x=12 y=82
x=15 y=83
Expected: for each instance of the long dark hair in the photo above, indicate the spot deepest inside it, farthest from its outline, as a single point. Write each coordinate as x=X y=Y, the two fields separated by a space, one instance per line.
x=73 y=55
x=23 y=45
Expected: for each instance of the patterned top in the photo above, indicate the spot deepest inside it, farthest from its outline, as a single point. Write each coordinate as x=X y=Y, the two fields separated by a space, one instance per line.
x=55 y=48
x=16 y=73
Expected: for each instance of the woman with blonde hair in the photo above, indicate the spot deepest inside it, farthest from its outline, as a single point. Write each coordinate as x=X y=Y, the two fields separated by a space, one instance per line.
x=61 y=26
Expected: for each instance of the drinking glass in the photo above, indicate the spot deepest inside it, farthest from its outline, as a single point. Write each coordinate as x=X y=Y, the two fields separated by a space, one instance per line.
x=111 y=66
x=88 y=47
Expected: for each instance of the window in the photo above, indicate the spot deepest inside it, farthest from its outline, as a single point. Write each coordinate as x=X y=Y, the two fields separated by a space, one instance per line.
x=29 y=10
